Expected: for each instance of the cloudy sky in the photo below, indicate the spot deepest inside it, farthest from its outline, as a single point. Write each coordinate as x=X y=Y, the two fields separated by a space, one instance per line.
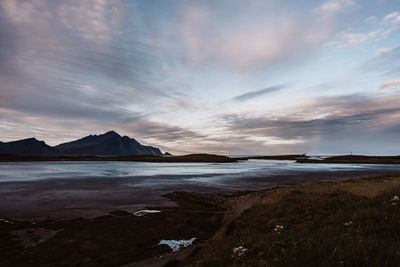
x=225 y=76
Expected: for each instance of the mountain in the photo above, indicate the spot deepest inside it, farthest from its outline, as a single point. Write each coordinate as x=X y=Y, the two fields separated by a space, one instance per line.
x=108 y=144
x=30 y=146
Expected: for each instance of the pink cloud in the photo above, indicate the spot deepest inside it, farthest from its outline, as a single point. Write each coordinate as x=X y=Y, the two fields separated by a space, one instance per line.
x=249 y=39
x=390 y=84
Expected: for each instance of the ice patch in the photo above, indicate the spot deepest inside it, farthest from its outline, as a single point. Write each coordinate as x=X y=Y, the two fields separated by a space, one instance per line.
x=6 y=221
x=144 y=212
x=176 y=245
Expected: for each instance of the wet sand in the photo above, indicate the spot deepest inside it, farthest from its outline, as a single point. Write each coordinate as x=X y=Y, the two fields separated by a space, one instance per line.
x=119 y=237
x=91 y=197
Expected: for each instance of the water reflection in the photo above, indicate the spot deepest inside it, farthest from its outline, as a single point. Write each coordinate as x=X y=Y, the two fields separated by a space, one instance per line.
x=190 y=172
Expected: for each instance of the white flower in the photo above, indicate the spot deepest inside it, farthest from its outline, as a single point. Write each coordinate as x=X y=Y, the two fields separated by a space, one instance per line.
x=239 y=252
x=278 y=228
x=348 y=223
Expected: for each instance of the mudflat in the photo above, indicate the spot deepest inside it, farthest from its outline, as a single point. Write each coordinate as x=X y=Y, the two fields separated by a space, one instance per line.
x=66 y=198
x=275 y=226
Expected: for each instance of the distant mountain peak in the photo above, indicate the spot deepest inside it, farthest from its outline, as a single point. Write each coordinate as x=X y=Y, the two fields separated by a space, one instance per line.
x=112 y=133
x=28 y=146
x=31 y=139
x=107 y=144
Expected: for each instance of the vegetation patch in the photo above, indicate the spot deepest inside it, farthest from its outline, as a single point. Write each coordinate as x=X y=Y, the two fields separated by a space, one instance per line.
x=310 y=228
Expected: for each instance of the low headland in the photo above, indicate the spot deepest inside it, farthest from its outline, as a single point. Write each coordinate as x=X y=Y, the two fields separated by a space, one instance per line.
x=352 y=222
x=359 y=159
x=191 y=158
x=275 y=157
x=211 y=158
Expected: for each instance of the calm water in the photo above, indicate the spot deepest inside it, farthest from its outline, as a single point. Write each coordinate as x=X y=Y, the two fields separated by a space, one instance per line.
x=142 y=173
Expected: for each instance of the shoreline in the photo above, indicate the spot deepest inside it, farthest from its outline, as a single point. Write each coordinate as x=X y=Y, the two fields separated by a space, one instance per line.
x=90 y=197
x=191 y=158
x=354 y=159
x=219 y=214
x=208 y=158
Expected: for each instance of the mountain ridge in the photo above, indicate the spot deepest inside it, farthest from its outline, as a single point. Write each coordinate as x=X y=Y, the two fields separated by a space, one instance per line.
x=28 y=146
x=107 y=144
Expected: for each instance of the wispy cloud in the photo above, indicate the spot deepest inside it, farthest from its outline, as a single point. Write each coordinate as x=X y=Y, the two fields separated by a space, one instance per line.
x=392 y=17
x=388 y=25
x=382 y=51
x=390 y=84
x=258 y=93
x=333 y=6
x=95 y=19
x=371 y=19
x=386 y=64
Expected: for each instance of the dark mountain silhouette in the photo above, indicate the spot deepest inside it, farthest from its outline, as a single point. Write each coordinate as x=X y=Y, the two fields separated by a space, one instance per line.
x=30 y=146
x=108 y=144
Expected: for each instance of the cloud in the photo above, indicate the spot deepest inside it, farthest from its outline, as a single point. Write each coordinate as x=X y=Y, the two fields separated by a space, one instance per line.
x=392 y=17
x=333 y=6
x=254 y=94
x=382 y=51
x=95 y=19
x=387 y=64
x=389 y=24
x=371 y=19
x=390 y=83
x=345 y=39
x=72 y=68
x=83 y=69
x=252 y=36
x=325 y=121
x=25 y=12
x=162 y=132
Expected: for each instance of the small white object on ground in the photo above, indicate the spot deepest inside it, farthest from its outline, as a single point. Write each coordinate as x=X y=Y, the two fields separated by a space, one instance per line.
x=143 y=212
x=6 y=221
x=348 y=223
x=176 y=245
x=395 y=198
x=239 y=251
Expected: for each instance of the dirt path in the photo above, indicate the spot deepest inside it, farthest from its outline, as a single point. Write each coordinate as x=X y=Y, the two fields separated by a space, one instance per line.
x=234 y=206
x=368 y=186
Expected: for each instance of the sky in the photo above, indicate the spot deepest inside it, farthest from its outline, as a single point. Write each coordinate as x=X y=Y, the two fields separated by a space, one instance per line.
x=218 y=76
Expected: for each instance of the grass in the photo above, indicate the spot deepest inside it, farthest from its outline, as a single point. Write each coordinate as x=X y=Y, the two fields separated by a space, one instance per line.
x=333 y=228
